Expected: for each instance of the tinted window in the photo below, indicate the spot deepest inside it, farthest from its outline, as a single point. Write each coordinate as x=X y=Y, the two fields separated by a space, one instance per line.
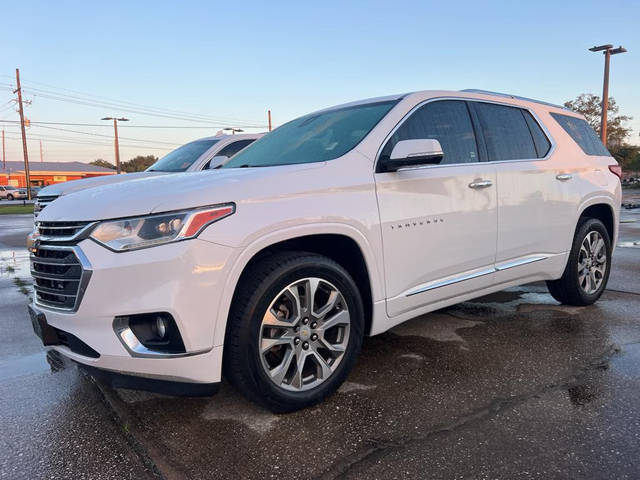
x=182 y=157
x=230 y=150
x=313 y=138
x=447 y=121
x=506 y=133
x=582 y=134
x=540 y=140
x=233 y=148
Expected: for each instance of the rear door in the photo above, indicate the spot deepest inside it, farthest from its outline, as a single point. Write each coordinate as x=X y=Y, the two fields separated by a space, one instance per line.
x=438 y=221
x=533 y=204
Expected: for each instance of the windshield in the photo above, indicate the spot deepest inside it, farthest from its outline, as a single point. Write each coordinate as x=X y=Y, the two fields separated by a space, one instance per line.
x=182 y=157
x=313 y=138
x=10 y=188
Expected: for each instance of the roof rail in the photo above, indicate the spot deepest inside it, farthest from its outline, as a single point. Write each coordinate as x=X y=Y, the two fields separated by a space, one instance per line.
x=508 y=95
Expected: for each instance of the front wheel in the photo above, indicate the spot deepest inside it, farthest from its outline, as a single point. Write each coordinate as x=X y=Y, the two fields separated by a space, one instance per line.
x=9 y=197
x=295 y=330
x=587 y=272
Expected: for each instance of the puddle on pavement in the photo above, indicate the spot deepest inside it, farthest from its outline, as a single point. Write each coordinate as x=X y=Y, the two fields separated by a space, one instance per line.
x=632 y=244
x=228 y=405
x=14 y=264
x=32 y=364
x=437 y=326
x=524 y=299
x=350 y=387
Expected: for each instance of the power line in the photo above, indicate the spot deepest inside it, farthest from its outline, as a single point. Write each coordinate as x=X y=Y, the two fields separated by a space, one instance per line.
x=106 y=136
x=122 y=102
x=125 y=106
x=76 y=124
x=77 y=142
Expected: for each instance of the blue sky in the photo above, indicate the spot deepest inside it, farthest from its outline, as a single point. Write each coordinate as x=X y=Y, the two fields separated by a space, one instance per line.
x=237 y=59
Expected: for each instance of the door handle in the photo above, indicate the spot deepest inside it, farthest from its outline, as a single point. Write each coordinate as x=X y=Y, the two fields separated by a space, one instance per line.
x=480 y=184
x=563 y=177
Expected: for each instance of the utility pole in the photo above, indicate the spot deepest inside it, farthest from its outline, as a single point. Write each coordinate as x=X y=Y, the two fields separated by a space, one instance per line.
x=115 y=132
x=4 y=157
x=269 y=115
x=18 y=90
x=608 y=50
x=41 y=156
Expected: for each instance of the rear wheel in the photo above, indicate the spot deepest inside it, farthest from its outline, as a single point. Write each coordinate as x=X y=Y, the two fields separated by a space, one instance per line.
x=294 y=332
x=587 y=272
x=9 y=197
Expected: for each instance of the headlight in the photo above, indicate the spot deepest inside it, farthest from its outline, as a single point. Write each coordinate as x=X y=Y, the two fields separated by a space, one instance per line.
x=141 y=232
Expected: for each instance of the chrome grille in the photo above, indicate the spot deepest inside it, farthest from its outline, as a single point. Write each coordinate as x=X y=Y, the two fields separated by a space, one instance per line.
x=42 y=201
x=60 y=276
x=61 y=231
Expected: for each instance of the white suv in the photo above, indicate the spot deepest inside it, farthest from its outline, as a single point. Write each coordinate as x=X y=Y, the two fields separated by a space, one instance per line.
x=337 y=225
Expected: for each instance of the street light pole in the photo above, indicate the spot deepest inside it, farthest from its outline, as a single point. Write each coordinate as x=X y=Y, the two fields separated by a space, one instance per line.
x=115 y=133
x=608 y=51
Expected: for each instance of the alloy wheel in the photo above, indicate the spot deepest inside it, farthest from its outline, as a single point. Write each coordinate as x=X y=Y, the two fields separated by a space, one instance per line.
x=592 y=262
x=304 y=334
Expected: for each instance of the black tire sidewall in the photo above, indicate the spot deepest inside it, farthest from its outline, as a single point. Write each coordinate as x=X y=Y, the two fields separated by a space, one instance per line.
x=572 y=267
x=264 y=295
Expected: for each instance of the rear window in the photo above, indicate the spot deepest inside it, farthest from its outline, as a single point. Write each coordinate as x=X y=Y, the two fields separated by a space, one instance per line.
x=506 y=133
x=582 y=134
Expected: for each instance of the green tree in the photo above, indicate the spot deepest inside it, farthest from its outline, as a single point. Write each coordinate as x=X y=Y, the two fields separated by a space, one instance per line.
x=139 y=163
x=628 y=156
x=103 y=163
x=590 y=106
x=634 y=165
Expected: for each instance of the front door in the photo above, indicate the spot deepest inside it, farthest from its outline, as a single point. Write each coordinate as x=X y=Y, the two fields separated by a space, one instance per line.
x=438 y=222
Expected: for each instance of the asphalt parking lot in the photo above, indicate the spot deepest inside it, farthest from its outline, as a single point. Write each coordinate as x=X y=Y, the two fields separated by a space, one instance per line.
x=512 y=385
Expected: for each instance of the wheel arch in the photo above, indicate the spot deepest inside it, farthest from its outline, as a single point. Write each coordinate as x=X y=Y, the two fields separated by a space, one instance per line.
x=602 y=209
x=342 y=243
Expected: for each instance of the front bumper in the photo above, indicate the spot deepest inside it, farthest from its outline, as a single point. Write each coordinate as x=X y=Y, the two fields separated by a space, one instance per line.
x=185 y=279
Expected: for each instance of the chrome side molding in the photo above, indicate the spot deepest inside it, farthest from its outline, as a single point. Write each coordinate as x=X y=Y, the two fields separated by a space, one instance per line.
x=498 y=268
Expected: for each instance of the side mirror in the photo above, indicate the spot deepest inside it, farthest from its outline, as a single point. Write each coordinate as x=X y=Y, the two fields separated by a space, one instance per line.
x=218 y=161
x=413 y=153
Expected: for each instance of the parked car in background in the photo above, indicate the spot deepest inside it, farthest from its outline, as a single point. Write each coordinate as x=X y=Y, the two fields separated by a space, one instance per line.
x=339 y=224
x=191 y=157
x=9 y=192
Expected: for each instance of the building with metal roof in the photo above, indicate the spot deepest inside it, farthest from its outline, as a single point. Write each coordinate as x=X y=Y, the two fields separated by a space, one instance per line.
x=48 y=173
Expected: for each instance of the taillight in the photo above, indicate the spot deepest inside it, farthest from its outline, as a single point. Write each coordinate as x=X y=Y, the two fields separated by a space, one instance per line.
x=616 y=170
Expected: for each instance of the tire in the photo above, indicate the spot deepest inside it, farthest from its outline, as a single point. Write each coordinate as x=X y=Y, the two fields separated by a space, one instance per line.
x=575 y=287
x=266 y=297
x=9 y=197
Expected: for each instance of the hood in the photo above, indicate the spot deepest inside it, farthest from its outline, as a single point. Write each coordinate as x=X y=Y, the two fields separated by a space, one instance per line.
x=65 y=188
x=180 y=191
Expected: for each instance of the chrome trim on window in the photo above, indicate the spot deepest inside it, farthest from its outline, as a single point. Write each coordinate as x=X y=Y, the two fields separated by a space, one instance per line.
x=542 y=126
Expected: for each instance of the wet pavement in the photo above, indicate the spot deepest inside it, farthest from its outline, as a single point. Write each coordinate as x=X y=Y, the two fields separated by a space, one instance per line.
x=511 y=385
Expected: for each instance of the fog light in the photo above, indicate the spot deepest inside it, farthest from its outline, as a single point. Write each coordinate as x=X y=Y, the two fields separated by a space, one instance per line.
x=161 y=327
x=150 y=334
